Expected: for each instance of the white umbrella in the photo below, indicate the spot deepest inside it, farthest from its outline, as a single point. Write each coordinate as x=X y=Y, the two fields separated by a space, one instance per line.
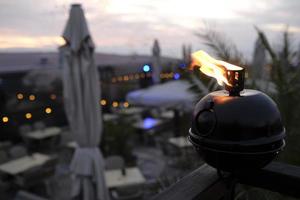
x=259 y=61
x=81 y=96
x=156 y=68
x=173 y=94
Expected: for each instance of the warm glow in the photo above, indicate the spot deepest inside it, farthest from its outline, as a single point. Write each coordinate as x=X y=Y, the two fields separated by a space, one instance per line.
x=53 y=96
x=20 y=96
x=115 y=104
x=21 y=41
x=60 y=41
x=28 y=115
x=48 y=110
x=5 y=119
x=126 y=104
x=120 y=78
x=212 y=67
x=31 y=97
x=103 y=102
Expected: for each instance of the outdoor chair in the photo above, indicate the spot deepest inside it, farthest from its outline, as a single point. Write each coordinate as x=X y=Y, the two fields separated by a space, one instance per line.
x=3 y=157
x=26 y=128
x=38 y=176
x=5 y=145
x=127 y=193
x=114 y=162
x=39 y=125
x=25 y=195
x=17 y=151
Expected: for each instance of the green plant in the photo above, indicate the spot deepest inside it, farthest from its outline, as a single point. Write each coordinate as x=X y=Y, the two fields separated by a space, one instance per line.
x=287 y=80
x=116 y=140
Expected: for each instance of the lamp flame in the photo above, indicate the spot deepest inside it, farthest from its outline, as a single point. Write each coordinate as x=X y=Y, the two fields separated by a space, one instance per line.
x=212 y=67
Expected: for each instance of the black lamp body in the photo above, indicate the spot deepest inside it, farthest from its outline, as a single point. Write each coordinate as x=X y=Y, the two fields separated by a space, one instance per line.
x=235 y=133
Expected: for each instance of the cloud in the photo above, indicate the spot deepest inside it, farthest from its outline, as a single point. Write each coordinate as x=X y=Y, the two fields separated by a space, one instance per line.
x=282 y=27
x=131 y=25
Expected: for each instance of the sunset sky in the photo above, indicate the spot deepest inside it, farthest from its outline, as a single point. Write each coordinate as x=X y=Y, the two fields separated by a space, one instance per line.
x=130 y=26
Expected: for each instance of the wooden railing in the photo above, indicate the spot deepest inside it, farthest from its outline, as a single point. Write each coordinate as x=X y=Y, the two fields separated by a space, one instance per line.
x=205 y=183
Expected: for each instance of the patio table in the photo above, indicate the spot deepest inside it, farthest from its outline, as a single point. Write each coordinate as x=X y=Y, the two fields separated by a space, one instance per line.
x=168 y=114
x=180 y=142
x=44 y=133
x=131 y=111
x=109 y=117
x=72 y=144
x=20 y=165
x=115 y=178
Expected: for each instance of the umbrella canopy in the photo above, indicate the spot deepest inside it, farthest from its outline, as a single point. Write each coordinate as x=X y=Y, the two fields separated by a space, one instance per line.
x=156 y=62
x=81 y=97
x=259 y=61
x=173 y=94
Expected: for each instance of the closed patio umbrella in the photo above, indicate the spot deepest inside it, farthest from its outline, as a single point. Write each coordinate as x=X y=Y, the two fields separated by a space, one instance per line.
x=81 y=97
x=156 y=62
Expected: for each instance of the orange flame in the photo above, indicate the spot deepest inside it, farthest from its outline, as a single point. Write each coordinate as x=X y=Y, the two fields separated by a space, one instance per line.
x=212 y=67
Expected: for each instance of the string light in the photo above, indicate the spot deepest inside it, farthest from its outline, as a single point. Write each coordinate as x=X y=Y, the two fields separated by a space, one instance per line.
x=53 y=96
x=28 y=115
x=126 y=104
x=20 y=96
x=166 y=75
x=120 y=78
x=103 y=102
x=48 y=110
x=5 y=119
x=115 y=104
x=31 y=97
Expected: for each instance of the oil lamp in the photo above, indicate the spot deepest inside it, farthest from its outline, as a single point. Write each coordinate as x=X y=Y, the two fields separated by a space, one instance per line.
x=234 y=129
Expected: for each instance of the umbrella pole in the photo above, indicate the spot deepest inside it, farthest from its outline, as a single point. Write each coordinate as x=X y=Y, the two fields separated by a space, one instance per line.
x=176 y=123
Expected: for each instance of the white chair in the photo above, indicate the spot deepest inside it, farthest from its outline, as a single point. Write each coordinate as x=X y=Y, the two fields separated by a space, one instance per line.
x=24 y=129
x=17 y=151
x=39 y=125
x=114 y=162
x=3 y=157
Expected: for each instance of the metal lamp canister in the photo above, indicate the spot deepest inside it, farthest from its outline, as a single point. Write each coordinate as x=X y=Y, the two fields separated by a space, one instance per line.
x=236 y=129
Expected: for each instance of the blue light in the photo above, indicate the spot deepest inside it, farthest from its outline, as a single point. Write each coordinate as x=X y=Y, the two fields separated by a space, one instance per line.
x=146 y=68
x=149 y=122
x=182 y=65
x=176 y=76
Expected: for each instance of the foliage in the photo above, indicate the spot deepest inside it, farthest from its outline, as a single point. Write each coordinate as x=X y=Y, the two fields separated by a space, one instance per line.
x=117 y=137
x=221 y=46
x=287 y=80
